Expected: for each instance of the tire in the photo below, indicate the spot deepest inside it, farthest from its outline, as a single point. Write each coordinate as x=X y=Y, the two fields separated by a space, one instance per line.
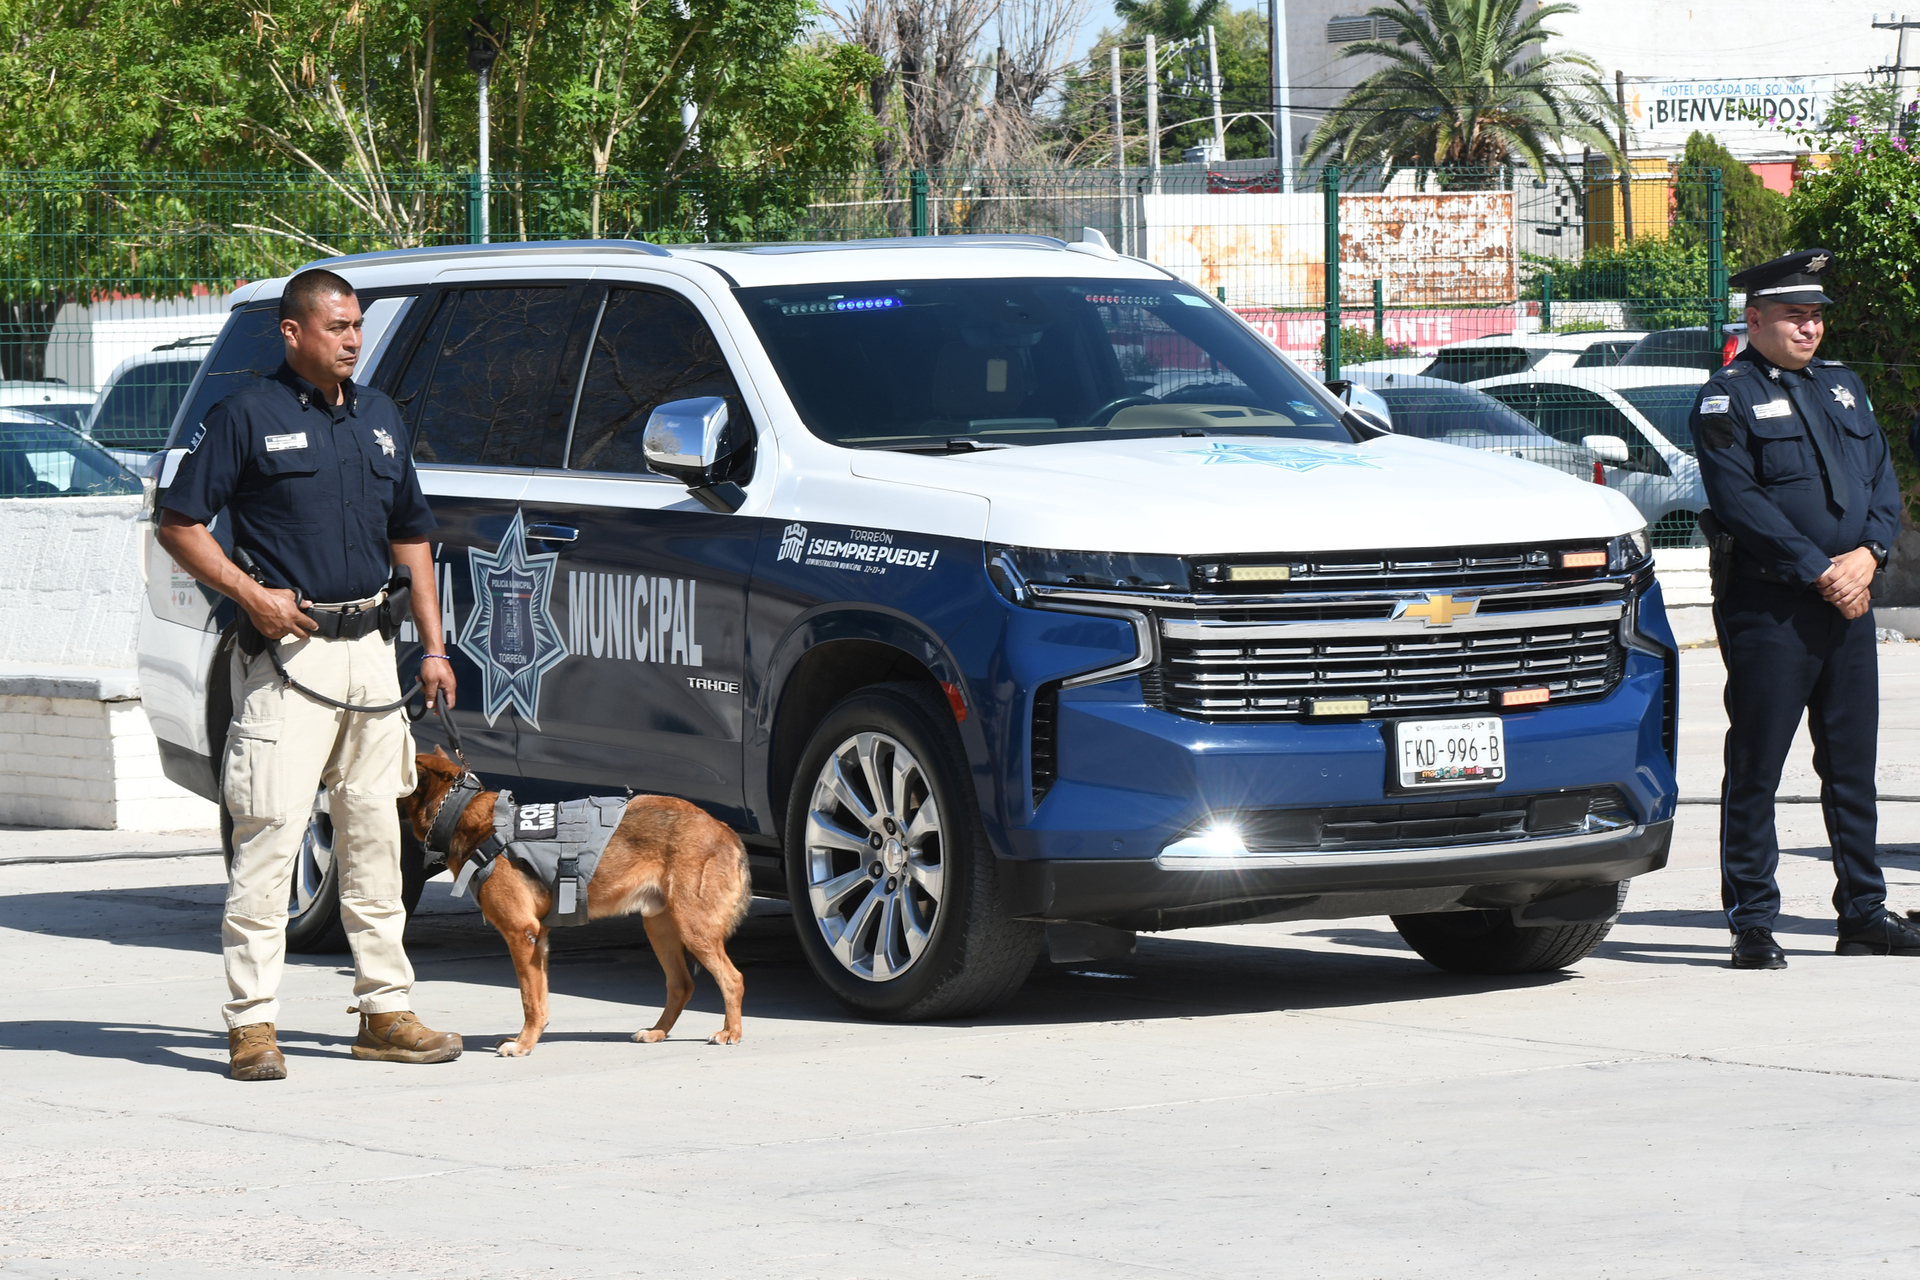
x=927 y=937
x=313 y=903
x=1488 y=942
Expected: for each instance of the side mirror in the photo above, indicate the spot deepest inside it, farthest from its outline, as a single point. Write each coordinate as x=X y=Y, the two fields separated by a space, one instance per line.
x=1609 y=449
x=688 y=440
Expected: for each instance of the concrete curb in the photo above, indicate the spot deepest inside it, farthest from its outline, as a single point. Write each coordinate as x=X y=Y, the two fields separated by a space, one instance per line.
x=133 y=856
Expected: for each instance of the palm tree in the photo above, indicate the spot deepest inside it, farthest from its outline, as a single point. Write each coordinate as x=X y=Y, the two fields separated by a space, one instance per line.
x=1462 y=94
x=1169 y=19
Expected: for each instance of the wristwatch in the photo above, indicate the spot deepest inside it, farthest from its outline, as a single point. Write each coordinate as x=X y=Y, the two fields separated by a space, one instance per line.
x=1880 y=553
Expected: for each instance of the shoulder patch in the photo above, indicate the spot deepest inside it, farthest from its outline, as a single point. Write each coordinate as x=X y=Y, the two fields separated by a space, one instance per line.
x=1714 y=404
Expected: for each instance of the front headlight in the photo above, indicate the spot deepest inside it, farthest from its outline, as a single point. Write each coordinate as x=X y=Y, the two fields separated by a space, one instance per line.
x=1629 y=551
x=1013 y=568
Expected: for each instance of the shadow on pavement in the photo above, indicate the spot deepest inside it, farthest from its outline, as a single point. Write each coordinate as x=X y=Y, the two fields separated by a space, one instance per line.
x=610 y=962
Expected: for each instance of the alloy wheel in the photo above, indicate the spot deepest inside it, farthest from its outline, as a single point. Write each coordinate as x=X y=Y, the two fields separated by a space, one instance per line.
x=874 y=856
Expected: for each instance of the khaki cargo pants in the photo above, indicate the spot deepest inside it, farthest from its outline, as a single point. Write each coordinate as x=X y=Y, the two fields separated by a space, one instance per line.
x=281 y=746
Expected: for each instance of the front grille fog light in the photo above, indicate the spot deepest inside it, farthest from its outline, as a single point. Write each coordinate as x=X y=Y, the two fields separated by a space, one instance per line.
x=1220 y=840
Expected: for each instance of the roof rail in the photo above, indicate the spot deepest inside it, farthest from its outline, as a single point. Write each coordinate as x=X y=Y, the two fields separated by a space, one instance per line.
x=983 y=239
x=513 y=248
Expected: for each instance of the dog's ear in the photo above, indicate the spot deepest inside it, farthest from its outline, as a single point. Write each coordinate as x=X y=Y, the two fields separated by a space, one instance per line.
x=442 y=754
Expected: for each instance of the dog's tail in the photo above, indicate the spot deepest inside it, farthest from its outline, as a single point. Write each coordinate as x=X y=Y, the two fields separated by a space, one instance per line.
x=744 y=898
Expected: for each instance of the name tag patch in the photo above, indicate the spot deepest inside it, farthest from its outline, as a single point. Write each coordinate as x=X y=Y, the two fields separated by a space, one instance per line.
x=1714 y=404
x=294 y=440
x=1774 y=409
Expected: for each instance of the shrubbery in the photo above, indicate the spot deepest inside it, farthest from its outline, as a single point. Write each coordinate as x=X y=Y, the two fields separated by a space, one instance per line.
x=1865 y=207
x=1663 y=282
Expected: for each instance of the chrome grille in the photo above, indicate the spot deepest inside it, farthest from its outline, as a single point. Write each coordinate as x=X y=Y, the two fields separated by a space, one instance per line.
x=1573 y=653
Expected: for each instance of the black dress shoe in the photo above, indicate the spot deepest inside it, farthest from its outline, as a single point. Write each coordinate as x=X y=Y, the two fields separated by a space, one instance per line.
x=1756 y=949
x=1887 y=936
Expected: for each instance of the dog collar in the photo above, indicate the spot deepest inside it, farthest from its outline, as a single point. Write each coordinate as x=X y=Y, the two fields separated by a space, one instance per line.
x=447 y=816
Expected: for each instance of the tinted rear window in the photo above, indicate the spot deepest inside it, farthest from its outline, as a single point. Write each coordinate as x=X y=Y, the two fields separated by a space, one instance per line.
x=1479 y=362
x=1675 y=349
x=487 y=365
x=1667 y=408
x=250 y=347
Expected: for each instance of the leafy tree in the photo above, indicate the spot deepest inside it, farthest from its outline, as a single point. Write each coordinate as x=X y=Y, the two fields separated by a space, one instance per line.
x=1754 y=216
x=1865 y=207
x=1859 y=105
x=1085 y=114
x=1464 y=90
x=1663 y=282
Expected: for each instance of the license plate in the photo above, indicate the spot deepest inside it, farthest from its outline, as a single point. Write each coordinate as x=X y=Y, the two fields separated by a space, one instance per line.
x=1451 y=753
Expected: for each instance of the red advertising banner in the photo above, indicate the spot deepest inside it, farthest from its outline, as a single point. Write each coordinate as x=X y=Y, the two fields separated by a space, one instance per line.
x=1301 y=334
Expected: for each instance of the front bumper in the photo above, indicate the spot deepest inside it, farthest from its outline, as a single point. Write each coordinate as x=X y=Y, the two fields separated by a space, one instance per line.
x=1156 y=894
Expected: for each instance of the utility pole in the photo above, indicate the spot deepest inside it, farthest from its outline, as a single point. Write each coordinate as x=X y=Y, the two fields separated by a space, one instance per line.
x=1899 y=69
x=1277 y=89
x=1626 y=165
x=1213 y=83
x=1153 y=112
x=1119 y=129
x=483 y=49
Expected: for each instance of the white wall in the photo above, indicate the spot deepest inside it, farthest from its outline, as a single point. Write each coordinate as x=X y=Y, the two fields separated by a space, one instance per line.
x=75 y=746
x=70 y=581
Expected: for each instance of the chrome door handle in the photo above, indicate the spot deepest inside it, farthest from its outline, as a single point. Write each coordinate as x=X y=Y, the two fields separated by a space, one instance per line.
x=552 y=533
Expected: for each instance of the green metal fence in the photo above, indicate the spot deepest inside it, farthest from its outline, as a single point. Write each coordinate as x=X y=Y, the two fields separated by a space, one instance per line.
x=114 y=282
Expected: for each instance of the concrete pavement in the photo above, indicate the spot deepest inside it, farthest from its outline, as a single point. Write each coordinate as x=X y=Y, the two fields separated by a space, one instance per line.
x=1305 y=1099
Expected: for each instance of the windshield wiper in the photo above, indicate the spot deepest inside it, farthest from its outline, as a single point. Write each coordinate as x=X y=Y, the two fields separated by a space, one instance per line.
x=957 y=445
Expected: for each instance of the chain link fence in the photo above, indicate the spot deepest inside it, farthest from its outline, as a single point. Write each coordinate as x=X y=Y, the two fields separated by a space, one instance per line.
x=1565 y=319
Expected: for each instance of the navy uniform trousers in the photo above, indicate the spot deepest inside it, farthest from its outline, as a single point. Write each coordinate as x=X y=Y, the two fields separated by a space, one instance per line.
x=1788 y=650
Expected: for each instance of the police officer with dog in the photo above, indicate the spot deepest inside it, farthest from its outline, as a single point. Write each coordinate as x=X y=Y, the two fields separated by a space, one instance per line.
x=1803 y=508
x=317 y=484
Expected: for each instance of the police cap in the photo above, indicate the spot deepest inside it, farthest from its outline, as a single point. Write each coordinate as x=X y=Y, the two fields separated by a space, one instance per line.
x=1792 y=279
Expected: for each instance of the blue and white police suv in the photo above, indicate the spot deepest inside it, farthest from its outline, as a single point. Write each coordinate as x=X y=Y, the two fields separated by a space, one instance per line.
x=987 y=585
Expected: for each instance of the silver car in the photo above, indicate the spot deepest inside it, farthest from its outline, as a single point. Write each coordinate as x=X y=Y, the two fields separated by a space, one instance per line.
x=1646 y=409
x=1439 y=409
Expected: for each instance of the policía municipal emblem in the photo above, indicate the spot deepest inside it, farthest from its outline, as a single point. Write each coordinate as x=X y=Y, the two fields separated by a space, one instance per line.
x=385 y=440
x=512 y=636
x=1844 y=396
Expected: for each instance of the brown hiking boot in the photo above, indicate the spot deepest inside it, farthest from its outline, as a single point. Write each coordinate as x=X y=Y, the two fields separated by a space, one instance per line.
x=401 y=1037
x=253 y=1053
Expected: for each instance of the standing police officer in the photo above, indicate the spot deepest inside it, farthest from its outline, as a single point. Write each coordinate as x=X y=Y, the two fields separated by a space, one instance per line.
x=317 y=482
x=1800 y=481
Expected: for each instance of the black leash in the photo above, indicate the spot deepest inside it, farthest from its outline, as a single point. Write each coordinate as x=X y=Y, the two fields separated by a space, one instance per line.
x=251 y=642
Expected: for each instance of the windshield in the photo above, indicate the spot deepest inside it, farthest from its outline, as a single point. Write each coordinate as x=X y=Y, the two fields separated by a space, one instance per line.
x=954 y=364
x=41 y=460
x=1668 y=409
x=1447 y=413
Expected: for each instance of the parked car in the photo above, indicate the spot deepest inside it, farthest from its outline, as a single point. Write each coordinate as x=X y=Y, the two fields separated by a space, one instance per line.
x=137 y=406
x=988 y=585
x=1648 y=409
x=50 y=399
x=1687 y=348
x=1436 y=409
x=1510 y=353
x=40 y=458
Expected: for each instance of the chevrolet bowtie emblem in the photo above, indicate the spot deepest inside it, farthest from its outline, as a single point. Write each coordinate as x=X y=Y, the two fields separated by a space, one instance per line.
x=1439 y=611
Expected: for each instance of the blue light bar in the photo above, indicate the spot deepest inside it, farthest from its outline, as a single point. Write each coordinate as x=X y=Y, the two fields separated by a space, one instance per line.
x=841 y=304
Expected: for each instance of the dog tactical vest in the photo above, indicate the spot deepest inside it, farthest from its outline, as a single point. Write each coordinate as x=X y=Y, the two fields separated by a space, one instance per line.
x=559 y=843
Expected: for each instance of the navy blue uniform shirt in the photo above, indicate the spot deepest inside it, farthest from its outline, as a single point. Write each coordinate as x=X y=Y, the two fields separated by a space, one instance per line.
x=315 y=492
x=1764 y=476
